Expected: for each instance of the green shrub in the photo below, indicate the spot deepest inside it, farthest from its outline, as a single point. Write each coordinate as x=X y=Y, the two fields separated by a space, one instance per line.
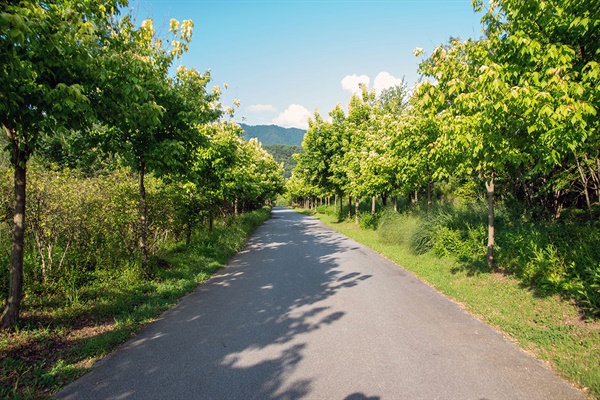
x=407 y=229
x=561 y=257
x=367 y=220
x=327 y=210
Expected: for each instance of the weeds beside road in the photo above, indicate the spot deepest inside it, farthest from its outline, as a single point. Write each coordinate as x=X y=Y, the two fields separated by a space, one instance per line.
x=60 y=337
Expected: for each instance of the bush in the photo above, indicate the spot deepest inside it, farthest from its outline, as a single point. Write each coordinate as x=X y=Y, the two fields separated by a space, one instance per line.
x=562 y=257
x=77 y=225
x=367 y=220
x=554 y=258
x=327 y=210
x=396 y=228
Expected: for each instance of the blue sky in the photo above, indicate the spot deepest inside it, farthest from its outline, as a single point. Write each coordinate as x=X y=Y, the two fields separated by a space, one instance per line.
x=284 y=59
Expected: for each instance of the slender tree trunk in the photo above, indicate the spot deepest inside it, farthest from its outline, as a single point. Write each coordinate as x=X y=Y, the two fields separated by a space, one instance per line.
x=335 y=204
x=594 y=175
x=598 y=175
x=584 y=182
x=143 y=219
x=396 y=203
x=489 y=185
x=10 y=315
x=349 y=207
x=416 y=199
x=373 y=205
x=40 y=248
x=188 y=230
x=429 y=187
x=356 y=211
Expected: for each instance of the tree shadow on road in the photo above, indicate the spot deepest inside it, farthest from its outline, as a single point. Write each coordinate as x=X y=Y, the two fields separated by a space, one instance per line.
x=243 y=333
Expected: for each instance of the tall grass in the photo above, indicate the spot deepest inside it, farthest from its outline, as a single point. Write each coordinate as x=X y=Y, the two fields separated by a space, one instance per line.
x=550 y=258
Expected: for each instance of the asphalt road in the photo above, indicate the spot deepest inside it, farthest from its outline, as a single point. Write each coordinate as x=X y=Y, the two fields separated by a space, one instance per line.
x=304 y=312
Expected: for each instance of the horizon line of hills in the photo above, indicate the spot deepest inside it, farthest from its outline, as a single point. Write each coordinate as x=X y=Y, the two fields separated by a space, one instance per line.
x=280 y=142
x=274 y=134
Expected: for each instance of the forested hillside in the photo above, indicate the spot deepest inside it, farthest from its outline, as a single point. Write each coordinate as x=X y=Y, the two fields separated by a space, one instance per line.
x=284 y=154
x=496 y=148
x=273 y=134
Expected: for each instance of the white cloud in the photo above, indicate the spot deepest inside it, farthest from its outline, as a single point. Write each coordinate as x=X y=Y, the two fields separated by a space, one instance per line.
x=259 y=108
x=351 y=82
x=384 y=81
x=295 y=116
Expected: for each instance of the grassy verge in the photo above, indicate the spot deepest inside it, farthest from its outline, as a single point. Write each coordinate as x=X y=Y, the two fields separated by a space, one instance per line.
x=550 y=327
x=60 y=337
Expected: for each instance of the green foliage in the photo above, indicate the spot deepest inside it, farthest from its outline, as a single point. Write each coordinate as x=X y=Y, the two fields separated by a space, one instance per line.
x=368 y=220
x=326 y=210
x=555 y=258
x=549 y=257
x=78 y=225
x=283 y=154
x=112 y=304
x=397 y=228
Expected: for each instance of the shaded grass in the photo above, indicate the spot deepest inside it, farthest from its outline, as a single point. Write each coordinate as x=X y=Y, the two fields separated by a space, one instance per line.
x=550 y=327
x=60 y=337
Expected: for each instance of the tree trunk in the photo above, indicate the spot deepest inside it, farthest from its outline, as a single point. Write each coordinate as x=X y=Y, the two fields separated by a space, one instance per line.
x=335 y=204
x=489 y=185
x=595 y=177
x=211 y=221
x=356 y=211
x=349 y=207
x=416 y=199
x=429 y=187
x=143 y=219
x=396 y=203
x=584 y=182
x=10 y=315
x=373 y=205
x=188 y=230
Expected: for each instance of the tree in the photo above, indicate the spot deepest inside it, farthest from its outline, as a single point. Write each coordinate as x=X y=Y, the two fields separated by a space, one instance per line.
x=153 y=119
x=358 y=123
x=46 y=67
x=552 y=50
x=314 y=163
x=471 y=95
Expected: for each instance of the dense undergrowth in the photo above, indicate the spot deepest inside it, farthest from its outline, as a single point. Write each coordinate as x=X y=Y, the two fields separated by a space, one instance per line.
x=561 y=257
x=69 y=322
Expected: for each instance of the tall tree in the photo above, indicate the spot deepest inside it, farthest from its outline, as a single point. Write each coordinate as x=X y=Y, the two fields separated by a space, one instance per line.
x=153 y=119
x=47 y=53
x=552 y=50
x=471 y=95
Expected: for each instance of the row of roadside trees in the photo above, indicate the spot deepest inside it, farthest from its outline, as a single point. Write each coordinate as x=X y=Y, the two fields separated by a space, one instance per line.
x=512 y=115
x=78 y=78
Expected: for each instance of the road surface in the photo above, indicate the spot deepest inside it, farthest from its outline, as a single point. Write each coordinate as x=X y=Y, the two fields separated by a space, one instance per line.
x=304 y=312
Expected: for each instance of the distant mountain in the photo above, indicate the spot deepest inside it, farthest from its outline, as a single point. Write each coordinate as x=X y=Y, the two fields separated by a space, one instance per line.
x=273 y=134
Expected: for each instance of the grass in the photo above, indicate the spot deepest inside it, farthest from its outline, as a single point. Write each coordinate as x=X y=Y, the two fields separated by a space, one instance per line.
x=549 y=327
x=59 y=337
